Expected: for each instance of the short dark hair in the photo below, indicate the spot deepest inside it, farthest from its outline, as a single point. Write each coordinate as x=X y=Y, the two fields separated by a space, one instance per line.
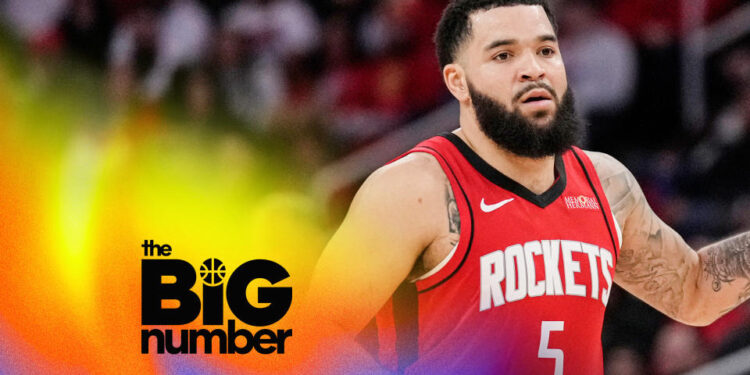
x=455 y=27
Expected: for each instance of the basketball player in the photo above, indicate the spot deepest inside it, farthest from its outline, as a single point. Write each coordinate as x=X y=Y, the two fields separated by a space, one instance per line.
x=493 y=249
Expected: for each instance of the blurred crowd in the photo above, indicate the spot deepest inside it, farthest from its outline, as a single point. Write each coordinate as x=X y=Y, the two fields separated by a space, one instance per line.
x=330 y=76
x=334 y=73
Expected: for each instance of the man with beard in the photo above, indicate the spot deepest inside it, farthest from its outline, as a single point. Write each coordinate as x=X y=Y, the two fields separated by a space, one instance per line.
x=493 y=249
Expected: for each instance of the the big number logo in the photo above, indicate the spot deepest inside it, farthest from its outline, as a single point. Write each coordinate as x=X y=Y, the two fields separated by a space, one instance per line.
x=155 y=290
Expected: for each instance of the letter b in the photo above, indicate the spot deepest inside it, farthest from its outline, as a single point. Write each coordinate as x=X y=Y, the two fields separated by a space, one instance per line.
x=153 y=291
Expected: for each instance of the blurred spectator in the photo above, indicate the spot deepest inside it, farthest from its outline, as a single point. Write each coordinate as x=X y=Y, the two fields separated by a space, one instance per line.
x=87 y=28
x=677 y=348
x=733 y=121
x=656 y=23
x=735 y=152
x=403 y=29
x=35 y=22
x=363 y=97
x=182 y=40
x=740 y=211
x=656 y=26
x=149 y=47
x=624 y=360
x=250 y=85
x=726 y=146
x=629 y=323
x=131 y=51
x=397 y=78
x=601 y=62
x=199 y=94
x=729 y=130
x=727 y=332
x=259 y=39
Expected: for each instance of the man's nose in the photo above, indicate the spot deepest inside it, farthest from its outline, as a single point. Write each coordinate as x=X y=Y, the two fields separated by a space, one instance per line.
x=530 y=69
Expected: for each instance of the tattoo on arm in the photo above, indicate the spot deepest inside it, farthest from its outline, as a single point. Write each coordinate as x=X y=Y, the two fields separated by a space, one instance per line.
x=650 y=264
x=658 y=266
x=727 y=261
x=454 y=220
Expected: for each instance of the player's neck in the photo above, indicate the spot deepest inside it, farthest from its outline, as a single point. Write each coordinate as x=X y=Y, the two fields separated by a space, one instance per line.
x=537 y=175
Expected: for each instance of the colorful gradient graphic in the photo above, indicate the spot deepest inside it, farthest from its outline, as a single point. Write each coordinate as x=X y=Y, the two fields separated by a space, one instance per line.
x=83 y=185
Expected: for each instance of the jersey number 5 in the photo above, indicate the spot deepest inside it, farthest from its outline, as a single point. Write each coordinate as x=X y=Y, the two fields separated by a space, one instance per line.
x=545 y=351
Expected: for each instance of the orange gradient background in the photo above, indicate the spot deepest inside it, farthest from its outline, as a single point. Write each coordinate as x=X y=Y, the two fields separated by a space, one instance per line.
x=82 y=187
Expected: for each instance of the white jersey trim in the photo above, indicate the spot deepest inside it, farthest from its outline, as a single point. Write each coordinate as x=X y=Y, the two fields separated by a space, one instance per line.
x=619 y=231
x=437 y=268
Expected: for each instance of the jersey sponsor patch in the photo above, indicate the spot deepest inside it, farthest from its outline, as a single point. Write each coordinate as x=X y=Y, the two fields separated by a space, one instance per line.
x=581 y=202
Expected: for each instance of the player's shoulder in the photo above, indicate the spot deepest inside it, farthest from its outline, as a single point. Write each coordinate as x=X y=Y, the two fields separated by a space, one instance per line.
x=618 y=182
x=606 y=165
x=416 y=172
x=413 y=181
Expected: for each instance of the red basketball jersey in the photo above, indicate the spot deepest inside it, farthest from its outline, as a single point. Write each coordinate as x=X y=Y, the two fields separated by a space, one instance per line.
x=525 y=289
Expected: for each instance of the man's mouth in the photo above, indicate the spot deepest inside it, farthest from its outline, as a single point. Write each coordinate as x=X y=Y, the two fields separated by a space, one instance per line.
x=537 y=101
x=534 y=99
x=536 y=95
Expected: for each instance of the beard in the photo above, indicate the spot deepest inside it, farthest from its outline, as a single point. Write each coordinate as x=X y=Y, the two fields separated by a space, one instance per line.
x=515 y=133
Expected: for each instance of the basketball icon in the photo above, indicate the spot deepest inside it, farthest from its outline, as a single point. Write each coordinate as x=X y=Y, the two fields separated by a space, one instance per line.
x=212 y=271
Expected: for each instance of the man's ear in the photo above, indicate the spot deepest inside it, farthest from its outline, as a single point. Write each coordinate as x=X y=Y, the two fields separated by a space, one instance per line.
x=455 y=79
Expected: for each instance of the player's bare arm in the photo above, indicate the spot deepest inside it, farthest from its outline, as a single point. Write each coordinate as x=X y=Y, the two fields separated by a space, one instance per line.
x=656 y=265
x=401 y=223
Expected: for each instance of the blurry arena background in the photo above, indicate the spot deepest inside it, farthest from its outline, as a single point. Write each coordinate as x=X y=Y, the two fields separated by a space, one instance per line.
x=239 y=129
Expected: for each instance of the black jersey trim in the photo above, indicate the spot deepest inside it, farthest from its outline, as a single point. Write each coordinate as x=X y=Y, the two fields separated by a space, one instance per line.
x=498 y=178
x=471 y=221
x=406 y=322
x=601 y=206
x=368 y=338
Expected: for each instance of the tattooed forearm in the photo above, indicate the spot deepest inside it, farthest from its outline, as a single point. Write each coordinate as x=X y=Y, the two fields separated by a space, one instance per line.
x=726 y=265
x=454 y=220
x=727 y=261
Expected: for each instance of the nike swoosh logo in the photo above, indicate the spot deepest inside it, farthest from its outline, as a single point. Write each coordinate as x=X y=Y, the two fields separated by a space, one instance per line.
x=492 y=207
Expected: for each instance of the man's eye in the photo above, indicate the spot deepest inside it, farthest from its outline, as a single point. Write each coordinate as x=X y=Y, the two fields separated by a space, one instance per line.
x=547 y=51
x=502 y=56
